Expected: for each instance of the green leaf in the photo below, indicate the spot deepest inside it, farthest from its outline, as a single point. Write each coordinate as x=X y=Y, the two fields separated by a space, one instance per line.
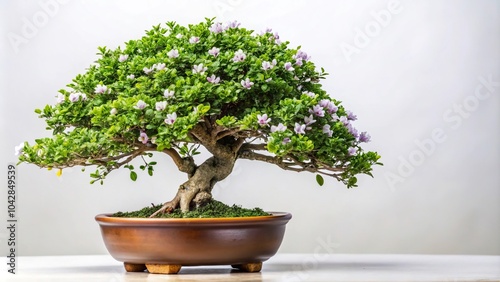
x=133 y=175
x=320 y=180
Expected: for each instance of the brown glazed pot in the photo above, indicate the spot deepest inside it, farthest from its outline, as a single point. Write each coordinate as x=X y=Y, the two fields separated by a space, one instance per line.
x=164 y=245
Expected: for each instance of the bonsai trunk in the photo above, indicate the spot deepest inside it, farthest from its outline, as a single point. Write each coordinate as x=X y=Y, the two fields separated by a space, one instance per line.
x=197 y=190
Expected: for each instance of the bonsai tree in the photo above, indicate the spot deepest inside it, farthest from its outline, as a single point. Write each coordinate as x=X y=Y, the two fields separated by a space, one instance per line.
x=239 y=94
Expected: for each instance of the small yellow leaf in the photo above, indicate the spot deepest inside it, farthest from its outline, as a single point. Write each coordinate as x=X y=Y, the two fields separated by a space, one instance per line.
x=59 y=172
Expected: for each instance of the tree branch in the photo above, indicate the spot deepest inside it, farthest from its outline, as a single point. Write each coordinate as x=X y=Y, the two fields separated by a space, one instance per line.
x=291 y=163
x=186 y=165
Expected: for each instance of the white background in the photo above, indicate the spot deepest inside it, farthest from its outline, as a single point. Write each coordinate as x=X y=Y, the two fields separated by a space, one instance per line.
x=407 y=76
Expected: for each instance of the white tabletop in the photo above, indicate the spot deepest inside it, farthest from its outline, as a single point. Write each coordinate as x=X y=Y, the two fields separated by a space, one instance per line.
x=282 y=267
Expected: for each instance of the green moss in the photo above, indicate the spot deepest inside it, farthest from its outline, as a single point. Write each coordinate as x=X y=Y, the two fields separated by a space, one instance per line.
x=213 y=209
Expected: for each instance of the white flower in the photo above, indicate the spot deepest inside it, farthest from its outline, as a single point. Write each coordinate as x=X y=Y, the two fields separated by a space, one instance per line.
x=147 y=70
x=60 y=98
x=178 y=36
x=171 y=118
x=214 y=51
x=199 y=69
x=194 y=40
x=73 y=97
x=160 y=106
x=247 y=83
x=19 y=149
x=216 y=28
x=213 y=79
x=140 y=105
x=239 y=56
x=113 y=111
x=267 y=65
x=101 y=89
x=263 y=120
x=143 y=137
x=130 y=76
x=159 y=66
x=174 y=53
x=279 y=128
x=168 y=93
x=122 y=58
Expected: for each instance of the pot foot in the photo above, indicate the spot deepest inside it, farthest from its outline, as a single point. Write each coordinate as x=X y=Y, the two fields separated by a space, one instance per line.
x=249 y=267
x=163 y=268
x=134 y=267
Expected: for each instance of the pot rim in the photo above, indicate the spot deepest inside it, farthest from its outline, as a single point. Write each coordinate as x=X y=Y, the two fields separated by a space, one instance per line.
x=107 y=218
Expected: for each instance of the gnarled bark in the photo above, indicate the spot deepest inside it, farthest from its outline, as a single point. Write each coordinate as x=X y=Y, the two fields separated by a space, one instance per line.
x=197 y=190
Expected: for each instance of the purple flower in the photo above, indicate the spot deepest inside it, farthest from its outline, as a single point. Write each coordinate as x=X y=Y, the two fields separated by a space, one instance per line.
x=300 y=128
x=160 y=106
x=288 y=66
x=344 y=120
x=351 y=116
x=213 y=79
x=335 y=117
x=216 y=28
x=174 y=53
x=159 y=66
x=122 y=58
x=168 y=93
x=60 y=98
x=263 y=119
x=247 y=83
x=214 y=51
x=233 y=24
x=194 y=40
x=239 y=56
x=147 y=70
x=140 y=105
x=317 y=111
x=130 y=76
x=298 y=62
x=143 y=137
x=101 y=89
x=73 y=97
x=268 y=30
x=324 y=103
x=19 y=149
x=113 y=111
x=309 y=120
x=364 y=137
x=171 y=118
x=328 y=105
x=352 y=151
x=352 y=130
x=301 y=55
x=279 y=128
x=199 y=69
x=267 y=65
x=327 y=130
x=286 y=140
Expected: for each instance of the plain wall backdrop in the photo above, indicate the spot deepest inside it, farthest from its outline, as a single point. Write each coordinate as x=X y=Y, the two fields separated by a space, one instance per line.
x=422 y=76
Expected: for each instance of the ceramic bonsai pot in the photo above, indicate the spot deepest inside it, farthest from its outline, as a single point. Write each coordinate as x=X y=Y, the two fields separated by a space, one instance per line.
x=165 y=245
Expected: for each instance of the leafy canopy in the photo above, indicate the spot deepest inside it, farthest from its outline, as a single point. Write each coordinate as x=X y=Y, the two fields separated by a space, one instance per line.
x=152 y=92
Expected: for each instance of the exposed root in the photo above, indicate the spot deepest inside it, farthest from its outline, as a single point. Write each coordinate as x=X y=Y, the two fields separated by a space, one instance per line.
x=168 y=207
